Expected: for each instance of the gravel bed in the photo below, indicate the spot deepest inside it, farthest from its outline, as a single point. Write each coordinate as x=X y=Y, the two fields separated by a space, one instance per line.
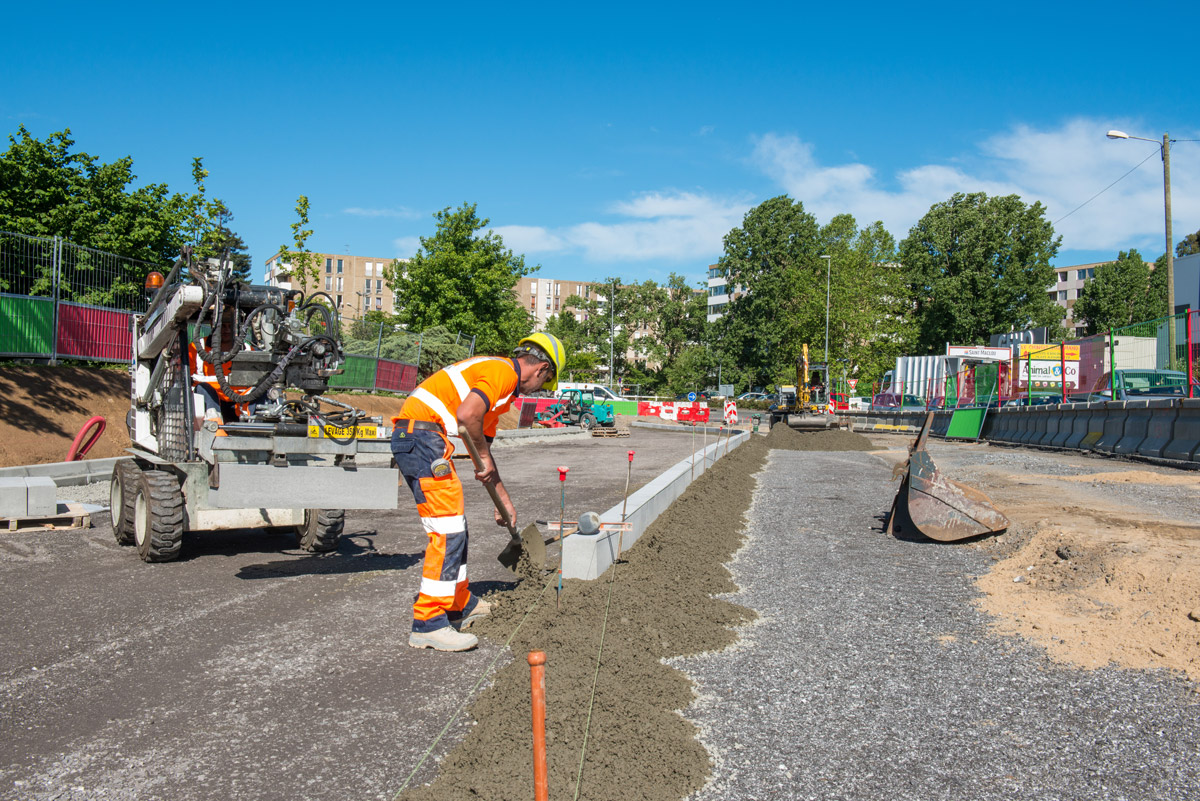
x=872 y=675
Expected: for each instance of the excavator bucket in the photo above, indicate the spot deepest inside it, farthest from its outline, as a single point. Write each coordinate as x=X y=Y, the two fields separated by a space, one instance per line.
x=937 y=507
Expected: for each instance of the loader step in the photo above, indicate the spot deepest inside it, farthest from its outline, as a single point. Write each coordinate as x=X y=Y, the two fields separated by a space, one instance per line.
x=69 y=515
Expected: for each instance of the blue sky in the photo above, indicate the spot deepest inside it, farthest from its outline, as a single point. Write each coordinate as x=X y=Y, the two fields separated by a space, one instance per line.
x=624 y=139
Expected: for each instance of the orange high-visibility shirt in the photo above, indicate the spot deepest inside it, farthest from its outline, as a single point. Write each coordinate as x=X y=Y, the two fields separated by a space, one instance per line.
x=436 y=400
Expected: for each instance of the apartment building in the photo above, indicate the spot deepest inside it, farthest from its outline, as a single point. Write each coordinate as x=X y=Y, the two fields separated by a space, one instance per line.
x=545 y=297
x=356 y=283
x=719 y=293
x=1067 y=285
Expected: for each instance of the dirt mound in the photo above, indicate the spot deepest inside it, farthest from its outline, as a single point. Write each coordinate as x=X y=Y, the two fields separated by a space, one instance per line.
x=784 y=438
x=660 y=603
x=43 y=408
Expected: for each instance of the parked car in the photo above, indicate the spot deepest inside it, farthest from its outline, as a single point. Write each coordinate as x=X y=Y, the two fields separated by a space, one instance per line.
x=1138 y=385
x=752 y=396
x=888 y=400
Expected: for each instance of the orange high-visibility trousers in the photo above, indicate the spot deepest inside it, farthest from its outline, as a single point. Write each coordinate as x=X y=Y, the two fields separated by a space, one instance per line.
x=444 y=595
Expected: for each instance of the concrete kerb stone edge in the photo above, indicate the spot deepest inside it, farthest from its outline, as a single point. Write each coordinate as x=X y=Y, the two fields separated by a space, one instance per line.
x=588 y=556
x=67 y=474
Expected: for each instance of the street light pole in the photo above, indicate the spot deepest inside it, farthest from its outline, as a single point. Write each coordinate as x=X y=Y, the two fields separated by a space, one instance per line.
x=1165 y=152
x=828 y=261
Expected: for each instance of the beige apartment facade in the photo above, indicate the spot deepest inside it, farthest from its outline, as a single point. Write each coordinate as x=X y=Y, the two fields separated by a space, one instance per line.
x=356 y=283
x=545 y=297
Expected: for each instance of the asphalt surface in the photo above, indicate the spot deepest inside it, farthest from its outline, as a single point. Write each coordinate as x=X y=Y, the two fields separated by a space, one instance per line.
x=871 y=675
x=248 y=669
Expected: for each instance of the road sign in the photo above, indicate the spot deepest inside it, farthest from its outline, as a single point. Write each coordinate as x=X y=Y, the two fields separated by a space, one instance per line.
x=692 y=397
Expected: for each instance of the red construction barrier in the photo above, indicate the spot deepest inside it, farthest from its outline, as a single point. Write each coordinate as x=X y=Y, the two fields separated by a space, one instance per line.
x=88 y=332
x=394 y=376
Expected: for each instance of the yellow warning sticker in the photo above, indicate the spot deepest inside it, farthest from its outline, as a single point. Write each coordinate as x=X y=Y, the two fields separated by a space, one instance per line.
x=340 y=432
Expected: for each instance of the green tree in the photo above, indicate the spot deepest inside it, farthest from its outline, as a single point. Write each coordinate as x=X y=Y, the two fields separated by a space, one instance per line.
x=980 y=265
x=582 y=363
x=48 y=188
x=301 y=264
x=463 y=280
x=615 y=331
x=1120 y=294
x=679 y=318
x=1188 y=245
x=870 y=323
x=772 y=265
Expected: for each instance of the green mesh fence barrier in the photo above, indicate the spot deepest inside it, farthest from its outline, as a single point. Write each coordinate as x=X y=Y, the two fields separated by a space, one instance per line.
x=359 y=373
x=26 y=326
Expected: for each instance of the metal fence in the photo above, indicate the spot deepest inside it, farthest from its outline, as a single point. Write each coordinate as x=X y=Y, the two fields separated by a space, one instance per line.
x=62 y=300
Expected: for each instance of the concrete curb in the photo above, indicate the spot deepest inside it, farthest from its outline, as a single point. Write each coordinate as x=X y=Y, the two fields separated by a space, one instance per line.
x=67 y=474
x=587 y=556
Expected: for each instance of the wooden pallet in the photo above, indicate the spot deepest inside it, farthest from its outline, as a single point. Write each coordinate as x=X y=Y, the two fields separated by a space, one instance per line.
x=74 y=517
x=601 y=431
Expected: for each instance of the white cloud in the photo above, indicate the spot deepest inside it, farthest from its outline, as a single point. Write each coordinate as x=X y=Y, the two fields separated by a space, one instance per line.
x=1061 y=167
x=401 y=213
x=406 y=246
x=663 y=226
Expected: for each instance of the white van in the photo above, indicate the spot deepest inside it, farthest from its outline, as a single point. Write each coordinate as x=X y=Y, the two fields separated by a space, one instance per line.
x=601 y=392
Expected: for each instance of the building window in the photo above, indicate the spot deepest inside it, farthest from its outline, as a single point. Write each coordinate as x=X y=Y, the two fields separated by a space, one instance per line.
x=556 y=290
x=1081 y=274
x=1062 y=294
x=533 y=287
x=328 y=267
x=378 y=302
x=379 y=285
x=339 y=301
x=339 y=283
x=1091 y=272
x=339 y=265
x=328 y=280
x=368 y=288
x=547 y=304
x=1062 y=276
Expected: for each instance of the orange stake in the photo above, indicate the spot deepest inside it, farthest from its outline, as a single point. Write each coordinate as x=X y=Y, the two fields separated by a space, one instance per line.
x=537 y=678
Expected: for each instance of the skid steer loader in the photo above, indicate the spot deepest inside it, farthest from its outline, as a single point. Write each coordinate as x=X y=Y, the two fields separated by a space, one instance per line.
x=254 y=458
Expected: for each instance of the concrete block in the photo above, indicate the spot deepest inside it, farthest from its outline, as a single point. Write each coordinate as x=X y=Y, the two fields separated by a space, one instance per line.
x=589 y=556
x=42 y=496
x=14 y=497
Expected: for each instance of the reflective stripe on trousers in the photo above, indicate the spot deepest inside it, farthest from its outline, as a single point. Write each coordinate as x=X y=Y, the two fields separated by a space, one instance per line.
x=444 y=586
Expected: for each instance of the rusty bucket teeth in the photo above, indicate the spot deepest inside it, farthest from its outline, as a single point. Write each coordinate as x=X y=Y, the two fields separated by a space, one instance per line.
x=937 y=507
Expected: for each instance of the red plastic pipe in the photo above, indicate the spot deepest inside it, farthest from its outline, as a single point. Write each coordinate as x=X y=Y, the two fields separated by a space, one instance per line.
x=78 y=451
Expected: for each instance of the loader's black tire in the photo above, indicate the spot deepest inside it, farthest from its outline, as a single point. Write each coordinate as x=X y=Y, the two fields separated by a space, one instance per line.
x=122 y=499
x=587 y=422
x=158 y=516
x=321 y=530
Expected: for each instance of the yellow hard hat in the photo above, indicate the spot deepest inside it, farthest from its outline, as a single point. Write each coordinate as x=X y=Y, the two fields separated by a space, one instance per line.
x=552 y=347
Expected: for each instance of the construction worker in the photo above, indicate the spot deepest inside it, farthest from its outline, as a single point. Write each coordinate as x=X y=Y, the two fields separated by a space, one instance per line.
x=465 y=399
x=217 y=405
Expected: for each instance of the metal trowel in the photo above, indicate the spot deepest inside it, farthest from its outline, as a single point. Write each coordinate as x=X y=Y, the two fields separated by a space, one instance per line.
x=528 y=541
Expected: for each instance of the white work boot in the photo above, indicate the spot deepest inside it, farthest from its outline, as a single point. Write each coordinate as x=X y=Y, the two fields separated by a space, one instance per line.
x=443 y=639
x=482 y=609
